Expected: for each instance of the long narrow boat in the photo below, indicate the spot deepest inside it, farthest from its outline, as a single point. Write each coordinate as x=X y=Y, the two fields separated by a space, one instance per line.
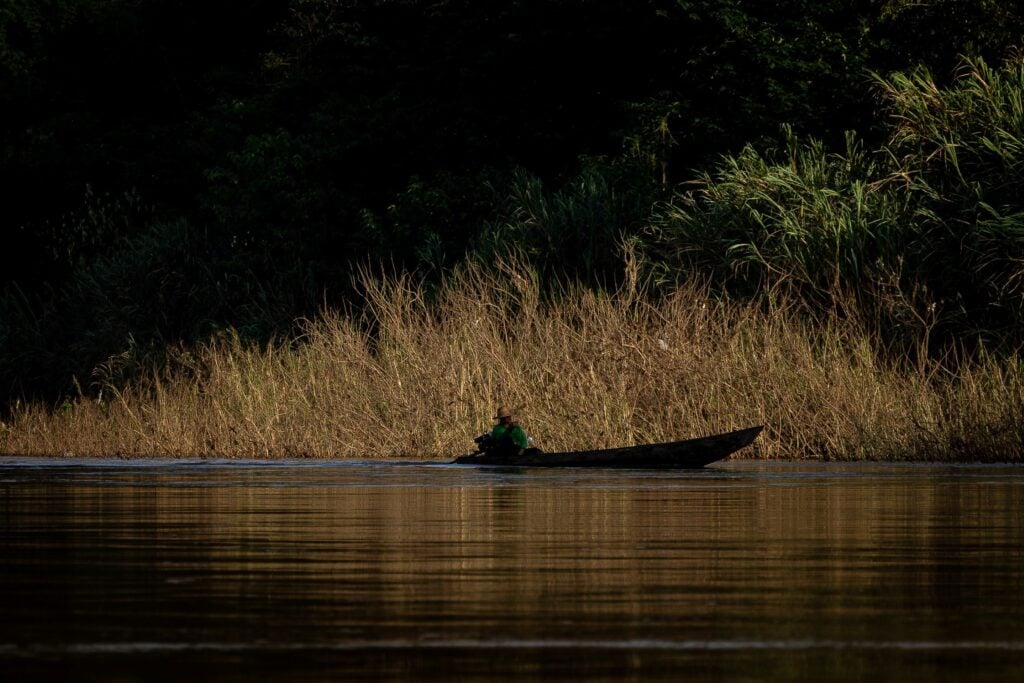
x=691 y=453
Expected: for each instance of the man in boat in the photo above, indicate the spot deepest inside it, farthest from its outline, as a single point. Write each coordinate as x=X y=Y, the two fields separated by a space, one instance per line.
x=507 y=437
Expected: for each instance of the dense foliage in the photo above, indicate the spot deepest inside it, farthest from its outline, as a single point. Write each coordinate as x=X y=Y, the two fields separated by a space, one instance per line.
x=169 y=170
x=927 y=232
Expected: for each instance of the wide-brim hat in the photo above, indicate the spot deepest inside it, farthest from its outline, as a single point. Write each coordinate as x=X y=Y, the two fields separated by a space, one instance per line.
x=503 y=411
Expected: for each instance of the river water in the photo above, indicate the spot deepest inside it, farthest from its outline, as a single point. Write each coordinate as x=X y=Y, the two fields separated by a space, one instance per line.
x=300 y=571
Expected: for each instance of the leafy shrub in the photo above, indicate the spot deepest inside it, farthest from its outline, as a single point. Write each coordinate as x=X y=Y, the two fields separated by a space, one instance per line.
x=928 y=230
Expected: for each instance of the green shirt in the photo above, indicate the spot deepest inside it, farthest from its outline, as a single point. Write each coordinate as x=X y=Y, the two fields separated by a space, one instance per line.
x=515 y=433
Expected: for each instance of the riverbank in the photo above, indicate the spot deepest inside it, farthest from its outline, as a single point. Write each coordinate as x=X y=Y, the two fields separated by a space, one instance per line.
x=418 y=373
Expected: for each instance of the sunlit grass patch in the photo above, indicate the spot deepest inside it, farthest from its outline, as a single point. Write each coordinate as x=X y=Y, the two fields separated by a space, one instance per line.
x=419 y=371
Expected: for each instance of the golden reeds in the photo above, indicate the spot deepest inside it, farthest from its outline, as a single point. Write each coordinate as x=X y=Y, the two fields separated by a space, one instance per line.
x=418 y=372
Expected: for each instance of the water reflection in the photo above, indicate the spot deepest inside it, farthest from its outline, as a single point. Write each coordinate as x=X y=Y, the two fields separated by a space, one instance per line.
x=313 y=571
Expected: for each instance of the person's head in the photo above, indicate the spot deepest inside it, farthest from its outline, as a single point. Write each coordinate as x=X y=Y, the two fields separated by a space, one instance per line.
x=504 y=415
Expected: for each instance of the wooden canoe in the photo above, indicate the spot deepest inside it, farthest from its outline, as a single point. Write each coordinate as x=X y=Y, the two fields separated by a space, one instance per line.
x=691 y=453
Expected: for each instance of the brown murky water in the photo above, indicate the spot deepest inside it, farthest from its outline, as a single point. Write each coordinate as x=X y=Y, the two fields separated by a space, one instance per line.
x=171 y=571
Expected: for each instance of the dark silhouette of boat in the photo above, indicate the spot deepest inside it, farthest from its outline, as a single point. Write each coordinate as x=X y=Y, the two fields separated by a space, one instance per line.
x=691 y=453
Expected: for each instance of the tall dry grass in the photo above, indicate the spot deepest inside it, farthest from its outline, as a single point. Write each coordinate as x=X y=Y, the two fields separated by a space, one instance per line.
x=419 y=372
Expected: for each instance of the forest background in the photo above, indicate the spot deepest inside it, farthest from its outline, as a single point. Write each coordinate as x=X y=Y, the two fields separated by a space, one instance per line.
x=178 y=175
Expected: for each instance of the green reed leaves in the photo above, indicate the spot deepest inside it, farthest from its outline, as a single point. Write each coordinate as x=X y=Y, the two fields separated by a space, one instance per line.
x=927 y=228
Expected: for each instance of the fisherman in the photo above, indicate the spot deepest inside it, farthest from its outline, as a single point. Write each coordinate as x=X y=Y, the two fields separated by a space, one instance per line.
x=507 y=437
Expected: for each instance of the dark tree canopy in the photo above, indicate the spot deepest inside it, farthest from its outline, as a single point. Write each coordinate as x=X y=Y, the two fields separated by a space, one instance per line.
x=252 y=152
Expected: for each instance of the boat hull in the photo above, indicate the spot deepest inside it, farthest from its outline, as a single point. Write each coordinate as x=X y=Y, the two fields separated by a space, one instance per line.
x=691 y=453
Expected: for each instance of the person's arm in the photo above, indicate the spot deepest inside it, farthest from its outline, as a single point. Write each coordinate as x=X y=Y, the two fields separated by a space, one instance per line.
x=519 y=438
